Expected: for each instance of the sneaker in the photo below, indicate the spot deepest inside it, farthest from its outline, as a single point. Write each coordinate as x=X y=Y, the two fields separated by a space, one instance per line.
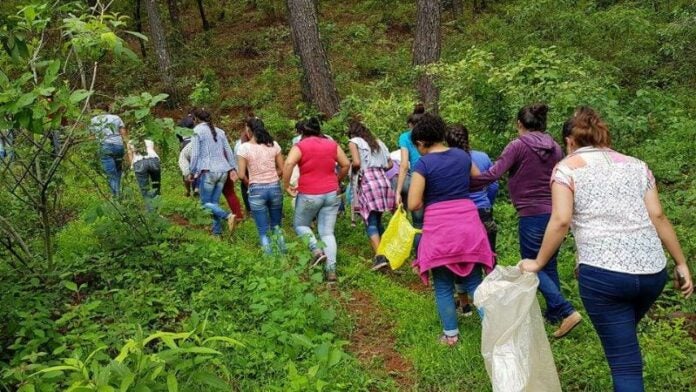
x=568 y=324
x=379 y=262
x=231 y=222
x=331 y=277
x=467 y=310
x=317 y=258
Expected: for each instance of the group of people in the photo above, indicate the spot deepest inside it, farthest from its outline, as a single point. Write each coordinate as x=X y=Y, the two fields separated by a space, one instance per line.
x=607 y=199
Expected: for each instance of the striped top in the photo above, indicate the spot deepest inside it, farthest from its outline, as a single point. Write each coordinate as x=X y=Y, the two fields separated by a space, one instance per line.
x=207 y=154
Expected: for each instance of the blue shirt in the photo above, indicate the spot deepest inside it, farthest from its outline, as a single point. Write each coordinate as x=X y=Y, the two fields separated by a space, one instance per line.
x=413 y=154
x=446 y=175
x=485 y=198
x=209 y=154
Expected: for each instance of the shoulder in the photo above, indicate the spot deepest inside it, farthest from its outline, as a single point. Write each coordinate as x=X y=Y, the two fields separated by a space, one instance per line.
x=276 y=146
x=405 y=137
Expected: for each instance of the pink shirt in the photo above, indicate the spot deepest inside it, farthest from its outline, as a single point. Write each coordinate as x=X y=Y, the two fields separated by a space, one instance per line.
x=261 y=162
x=318 y=166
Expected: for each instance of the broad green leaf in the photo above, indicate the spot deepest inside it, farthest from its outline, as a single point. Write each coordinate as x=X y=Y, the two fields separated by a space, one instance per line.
x=223 y=339
x=25 y=100
x=126 y=382
x=79 y=95
x=70 y=285
x=172 y=384
x=56 y=368
x=136 y=34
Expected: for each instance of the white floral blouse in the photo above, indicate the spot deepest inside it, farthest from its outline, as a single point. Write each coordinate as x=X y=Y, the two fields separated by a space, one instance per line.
x=610 y=224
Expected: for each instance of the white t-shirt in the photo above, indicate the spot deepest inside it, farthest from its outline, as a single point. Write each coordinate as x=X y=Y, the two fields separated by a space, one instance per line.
x=149 y=151
x=368 y=158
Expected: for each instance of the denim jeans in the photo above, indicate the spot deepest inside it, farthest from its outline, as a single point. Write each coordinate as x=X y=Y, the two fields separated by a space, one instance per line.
x=148 y=175
x=443 y=283
x=616 y=302
x=266 y=202
x=111 y=155
x=211 y=188
x=531 y=232
x=374 y=224
x=325 y=209
x=245 y=195
x=416 y=216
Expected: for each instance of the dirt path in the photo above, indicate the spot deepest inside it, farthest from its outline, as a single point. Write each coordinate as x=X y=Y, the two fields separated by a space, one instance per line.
x=372 y=341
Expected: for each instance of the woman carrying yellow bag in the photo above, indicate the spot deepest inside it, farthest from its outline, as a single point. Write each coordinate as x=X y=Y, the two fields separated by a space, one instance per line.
x=397 y=240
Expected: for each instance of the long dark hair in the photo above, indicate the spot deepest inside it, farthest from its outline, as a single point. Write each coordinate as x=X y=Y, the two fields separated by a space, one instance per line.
x=310 y=127
x=207 y=118
x=258 y=129
x=533 y=117
x=357 y=129
x=418 y=112
x=457 y=136
x=430 y=129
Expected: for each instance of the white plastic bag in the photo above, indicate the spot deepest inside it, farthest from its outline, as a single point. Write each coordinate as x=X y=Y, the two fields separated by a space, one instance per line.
x=513 y=341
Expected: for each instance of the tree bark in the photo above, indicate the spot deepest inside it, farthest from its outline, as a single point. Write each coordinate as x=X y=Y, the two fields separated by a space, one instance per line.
x=139 y=26
x=304 y=26
x=173 y=7
x=201 y=10
x=159 y=42
x=426 y=49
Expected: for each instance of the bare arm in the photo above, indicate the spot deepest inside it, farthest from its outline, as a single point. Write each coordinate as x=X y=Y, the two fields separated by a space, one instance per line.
x=354 y=155
x=475 y=171
x=294 y=157
x=416 y=191
x=669 y=238
x=242 y=166
x=559 y=224
x=403 y=171
x=279 y=164
x=343 y=163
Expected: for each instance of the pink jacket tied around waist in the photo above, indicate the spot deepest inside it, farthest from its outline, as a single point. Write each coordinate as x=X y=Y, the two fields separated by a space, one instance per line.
x=454 y=237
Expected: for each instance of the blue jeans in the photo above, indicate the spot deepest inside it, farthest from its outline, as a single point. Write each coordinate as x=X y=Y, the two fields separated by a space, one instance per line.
x=325 y=209
x=374 y=224
x=148 y=174
x=443 y=283
x=111 y=155
x=266 y=202
x=616 y=302
x=211 y=188
x=531 y=232
x=417 y=216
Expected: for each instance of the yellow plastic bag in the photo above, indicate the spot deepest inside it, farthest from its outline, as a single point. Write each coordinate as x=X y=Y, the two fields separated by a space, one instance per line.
x=397 y=240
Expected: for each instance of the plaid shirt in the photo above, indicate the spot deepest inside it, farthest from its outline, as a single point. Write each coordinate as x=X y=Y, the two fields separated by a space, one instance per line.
x=208 y=154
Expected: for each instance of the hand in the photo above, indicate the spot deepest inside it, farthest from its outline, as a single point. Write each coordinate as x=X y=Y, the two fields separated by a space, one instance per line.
x=233 y=175
x=190 y=178
x=292 y=190
x=397 y=202
x=688 y=288
x=529 y=265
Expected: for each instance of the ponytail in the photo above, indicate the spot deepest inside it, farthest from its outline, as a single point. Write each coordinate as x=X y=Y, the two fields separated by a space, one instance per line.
x=207 y=118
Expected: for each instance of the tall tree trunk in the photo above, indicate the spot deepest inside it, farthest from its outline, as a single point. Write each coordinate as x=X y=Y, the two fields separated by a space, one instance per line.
x=173 y=7
x=139 y=27
x=305 y=89
x=201 y=10
x=159 y=42
x=304 y=25
x=426 y=49
x=457 y=8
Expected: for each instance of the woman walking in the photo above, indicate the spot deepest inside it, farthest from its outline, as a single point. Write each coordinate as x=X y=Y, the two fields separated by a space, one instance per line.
x=317 y=190
x=213 y=162
x=370 y=158
x=146 y=165
x=458 y=137
x=263 y=159
x=530 y=159
x=611 y=203
x=409 y=157
x=440 y=185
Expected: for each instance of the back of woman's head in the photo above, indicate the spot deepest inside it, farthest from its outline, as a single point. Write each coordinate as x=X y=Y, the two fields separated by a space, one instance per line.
x=309 y=127
x=418 y=112
x=458 y=137
x=358 y=129
x=533 y=117
x=429 y=130
x=206 y=117
x=588 y=129
x=258 y=129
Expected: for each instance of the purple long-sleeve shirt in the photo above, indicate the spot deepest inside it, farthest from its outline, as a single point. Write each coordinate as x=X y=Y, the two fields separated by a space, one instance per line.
x=530 y=160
